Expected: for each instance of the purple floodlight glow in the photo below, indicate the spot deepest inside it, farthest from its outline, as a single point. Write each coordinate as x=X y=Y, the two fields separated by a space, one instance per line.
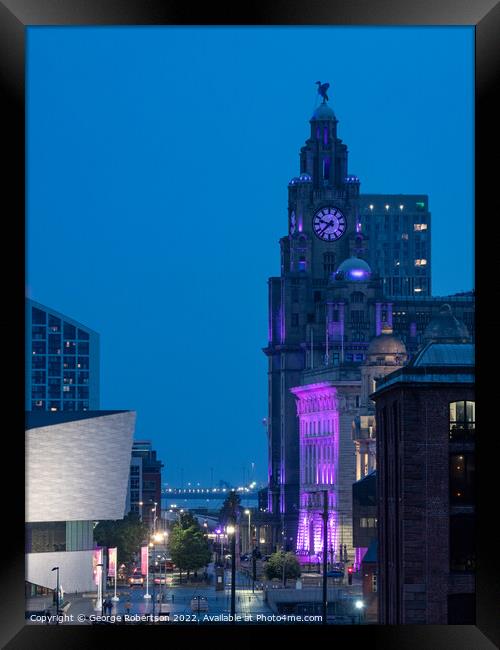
x=319 y=454
x=358 y=273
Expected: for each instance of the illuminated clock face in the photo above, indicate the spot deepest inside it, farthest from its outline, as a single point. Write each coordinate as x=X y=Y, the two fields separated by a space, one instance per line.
x=329 y=224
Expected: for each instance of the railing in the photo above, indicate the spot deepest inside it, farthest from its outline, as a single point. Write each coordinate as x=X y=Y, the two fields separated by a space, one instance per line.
x=461 y=431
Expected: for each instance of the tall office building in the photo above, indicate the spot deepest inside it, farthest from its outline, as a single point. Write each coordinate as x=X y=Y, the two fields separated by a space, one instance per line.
x=398 y=229
x=144 y=488
x=337 y=290
x=62 y=362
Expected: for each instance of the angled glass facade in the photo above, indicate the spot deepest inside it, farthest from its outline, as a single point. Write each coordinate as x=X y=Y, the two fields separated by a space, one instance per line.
x=62 y=362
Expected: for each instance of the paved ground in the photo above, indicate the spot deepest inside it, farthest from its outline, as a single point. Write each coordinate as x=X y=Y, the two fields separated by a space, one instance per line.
x=177 y=602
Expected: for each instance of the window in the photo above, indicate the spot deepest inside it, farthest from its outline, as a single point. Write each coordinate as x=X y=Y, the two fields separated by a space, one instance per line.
x=38 y=361
x=419 y=226
x=462 y=420
x=302 y=263
x=54 y=344
x=38 y=377
x=420 y=262
x=374 y=583
x=38 y=317
x=134 y=470
x=54 y=324
x=83 y=336
x=83 y=362
x=38 y=332
x=317 y=296
x=462 y=479
x=83 y=377
x=462 y=543
x=326 y=169
x=69 y=347
x=357 y=297
x=38 y=347
x=311 y=318
x=69 y=331
x=83 y=348
x=54 y=366
x=69 y=362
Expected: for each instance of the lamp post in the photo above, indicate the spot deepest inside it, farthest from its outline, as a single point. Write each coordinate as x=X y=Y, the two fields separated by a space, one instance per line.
x=56 y=568
x=325 y=555
x=231 y=530
x=141 y=503
x=249 y=513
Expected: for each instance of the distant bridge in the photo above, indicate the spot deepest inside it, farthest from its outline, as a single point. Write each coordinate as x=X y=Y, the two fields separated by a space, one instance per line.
x=208 y=493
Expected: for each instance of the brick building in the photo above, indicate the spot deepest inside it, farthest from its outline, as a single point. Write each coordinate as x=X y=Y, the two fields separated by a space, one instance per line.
x=425 y=416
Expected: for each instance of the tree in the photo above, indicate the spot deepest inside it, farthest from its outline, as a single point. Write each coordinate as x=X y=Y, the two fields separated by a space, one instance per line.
x=274 y=568
x=230 y=510
x=127 y=534
x=188 y=545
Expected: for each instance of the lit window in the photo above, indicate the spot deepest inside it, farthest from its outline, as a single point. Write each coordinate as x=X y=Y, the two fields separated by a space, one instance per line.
x=420 y=262
x=404 y=235
x=386 y=206
x=371 y=206
x=419 y=226
x=417 y=290
x=401 y=206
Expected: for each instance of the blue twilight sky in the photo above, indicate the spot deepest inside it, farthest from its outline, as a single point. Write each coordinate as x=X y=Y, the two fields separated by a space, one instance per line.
x=158 y=164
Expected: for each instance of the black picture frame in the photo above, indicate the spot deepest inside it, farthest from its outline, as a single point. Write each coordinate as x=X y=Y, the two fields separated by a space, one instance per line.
x=15 y=16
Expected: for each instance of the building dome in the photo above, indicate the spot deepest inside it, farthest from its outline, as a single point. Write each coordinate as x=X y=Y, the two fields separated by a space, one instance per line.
x=294 y=180
x=386 y=343
x=305 y=178
x=445 y=328
x=323 y=112
x=354 y=269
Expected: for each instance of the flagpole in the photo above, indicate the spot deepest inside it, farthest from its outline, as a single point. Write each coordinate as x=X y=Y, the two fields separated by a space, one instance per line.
x=147 y=594
x=115 y=597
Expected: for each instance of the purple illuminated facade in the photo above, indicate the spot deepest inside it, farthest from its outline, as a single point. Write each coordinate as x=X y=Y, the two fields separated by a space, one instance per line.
x=317 y=410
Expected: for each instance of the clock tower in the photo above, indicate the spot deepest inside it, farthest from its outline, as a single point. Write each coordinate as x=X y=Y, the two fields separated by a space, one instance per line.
x=322 y=232
x=322 y=201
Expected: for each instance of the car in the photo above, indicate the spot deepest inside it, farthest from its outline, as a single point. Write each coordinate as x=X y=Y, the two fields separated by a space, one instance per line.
x=160 y=580
x=169 y=565
x=335 y=573
x=199 y=604
x=136 y=579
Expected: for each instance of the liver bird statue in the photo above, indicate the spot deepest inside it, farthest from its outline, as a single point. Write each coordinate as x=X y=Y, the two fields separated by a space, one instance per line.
x=322 y=88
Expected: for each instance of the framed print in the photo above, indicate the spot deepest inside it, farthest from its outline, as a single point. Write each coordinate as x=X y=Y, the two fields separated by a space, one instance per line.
x=245 y=279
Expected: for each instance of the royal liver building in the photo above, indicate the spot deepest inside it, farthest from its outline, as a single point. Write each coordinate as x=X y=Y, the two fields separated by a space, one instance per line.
x=351 y=304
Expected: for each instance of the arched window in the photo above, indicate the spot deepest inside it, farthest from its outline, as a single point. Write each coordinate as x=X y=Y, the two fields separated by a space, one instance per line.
x=462 y=420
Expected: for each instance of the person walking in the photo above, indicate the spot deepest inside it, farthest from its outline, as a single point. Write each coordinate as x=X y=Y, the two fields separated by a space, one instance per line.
x=128 y=606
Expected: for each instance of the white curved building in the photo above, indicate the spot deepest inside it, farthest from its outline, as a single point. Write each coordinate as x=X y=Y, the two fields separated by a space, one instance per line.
x=76 y=473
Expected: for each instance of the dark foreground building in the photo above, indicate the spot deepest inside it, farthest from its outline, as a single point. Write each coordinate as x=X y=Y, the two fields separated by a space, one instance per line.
x=425 y=415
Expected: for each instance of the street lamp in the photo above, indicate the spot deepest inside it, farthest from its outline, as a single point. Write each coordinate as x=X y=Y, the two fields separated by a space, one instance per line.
x=359 y=604
x=56 y=568
x=231 y=530
x=248 y=512
x=141 y=503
